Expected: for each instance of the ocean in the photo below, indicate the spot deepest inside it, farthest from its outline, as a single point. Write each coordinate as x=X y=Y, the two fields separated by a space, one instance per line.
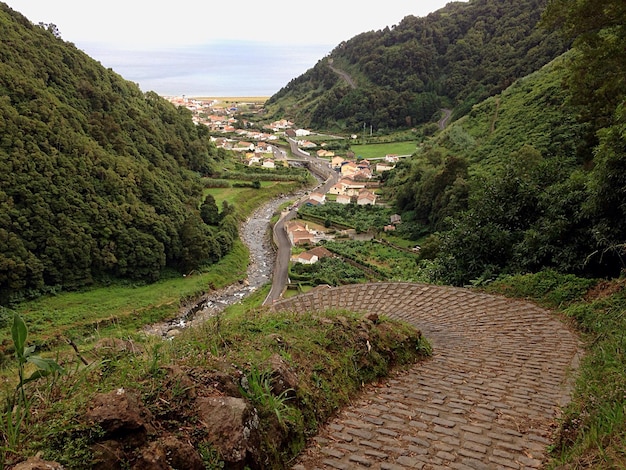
x=228 y=68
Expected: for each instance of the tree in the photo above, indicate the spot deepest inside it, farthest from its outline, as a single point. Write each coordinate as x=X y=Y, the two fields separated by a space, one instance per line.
x=227 y=209
x=196 y=246
x=598 y=31
x=209 y=211
x=607 y=193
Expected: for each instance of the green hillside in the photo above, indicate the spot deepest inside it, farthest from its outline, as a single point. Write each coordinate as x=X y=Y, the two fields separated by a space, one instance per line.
x=454 y=57
x=532 y=178
x=97 y=179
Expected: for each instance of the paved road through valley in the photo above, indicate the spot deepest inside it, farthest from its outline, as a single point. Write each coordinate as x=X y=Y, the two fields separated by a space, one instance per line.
x=280 y=278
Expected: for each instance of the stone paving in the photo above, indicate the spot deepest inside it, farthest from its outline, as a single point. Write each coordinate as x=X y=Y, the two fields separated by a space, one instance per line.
x=487 y=399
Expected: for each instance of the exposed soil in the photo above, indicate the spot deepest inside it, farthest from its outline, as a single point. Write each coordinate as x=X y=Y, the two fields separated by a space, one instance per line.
x=605 y=288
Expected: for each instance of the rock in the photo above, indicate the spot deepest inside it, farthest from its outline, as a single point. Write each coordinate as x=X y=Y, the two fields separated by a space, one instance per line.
x=181 y=454
x=226 y=384
x=120 y=414
x=284 y=379
x=373 y=317
x=108 y=455
x=173 y=333
x=151 y=457
x=36 y=463
x=232 y=426
x=178 y=384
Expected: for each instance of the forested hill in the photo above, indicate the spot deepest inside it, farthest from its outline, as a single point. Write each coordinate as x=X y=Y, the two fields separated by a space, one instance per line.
x=533 y=178
x=454 y=57
x=97 y=179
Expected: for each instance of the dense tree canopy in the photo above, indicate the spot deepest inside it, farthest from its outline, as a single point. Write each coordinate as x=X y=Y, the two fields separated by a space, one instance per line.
x=97 y=179
x=546 y=159
x=455 y=57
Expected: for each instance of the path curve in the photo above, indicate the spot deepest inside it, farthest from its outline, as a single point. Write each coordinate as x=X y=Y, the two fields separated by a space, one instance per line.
x=347 y=78
x=487 y=399
x=443 y=122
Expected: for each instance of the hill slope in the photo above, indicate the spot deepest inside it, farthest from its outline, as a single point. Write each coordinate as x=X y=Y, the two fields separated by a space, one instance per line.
x=454 y=57
x=511 y=188
x=96 y=178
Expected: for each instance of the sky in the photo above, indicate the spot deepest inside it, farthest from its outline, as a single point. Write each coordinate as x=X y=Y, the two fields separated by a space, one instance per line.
x=208 y=48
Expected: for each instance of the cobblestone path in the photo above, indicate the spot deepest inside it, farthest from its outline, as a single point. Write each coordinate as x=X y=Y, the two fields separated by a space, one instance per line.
x=487 y=399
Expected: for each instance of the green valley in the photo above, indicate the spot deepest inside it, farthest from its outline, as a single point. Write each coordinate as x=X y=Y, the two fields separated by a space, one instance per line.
x=119 y=209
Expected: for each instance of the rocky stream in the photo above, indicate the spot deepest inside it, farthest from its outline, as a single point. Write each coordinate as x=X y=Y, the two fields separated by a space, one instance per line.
x=256 y=234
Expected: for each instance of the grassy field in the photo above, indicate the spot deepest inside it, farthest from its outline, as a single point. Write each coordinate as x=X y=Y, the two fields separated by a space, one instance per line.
x=121 y=310
x=380 y=150
x=239 y=196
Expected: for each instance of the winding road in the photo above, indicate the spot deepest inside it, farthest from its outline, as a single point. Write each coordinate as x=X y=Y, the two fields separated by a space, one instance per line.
x=487 y=399
x=347 y=78
x=322 y=170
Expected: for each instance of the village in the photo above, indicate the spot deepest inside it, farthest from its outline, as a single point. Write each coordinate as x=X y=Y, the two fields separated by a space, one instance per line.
x=357 y=182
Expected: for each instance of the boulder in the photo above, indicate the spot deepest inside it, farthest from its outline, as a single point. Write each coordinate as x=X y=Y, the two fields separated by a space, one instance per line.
x=120 y=414
x=232 y=426
x=284 y=379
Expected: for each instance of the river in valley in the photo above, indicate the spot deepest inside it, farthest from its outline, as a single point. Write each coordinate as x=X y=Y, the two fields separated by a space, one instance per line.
x=256 y=234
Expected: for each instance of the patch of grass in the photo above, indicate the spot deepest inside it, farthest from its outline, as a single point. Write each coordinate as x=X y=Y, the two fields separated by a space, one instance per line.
x=247 y=199
x=549 y=288
x=380 y=150
x=592 y=432
x=331 y=353
x=119 y=310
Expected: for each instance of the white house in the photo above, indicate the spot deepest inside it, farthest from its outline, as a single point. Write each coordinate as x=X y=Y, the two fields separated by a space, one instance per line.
x=365 y=198
x=380 y=167
x=343 y=199
x=336 y=189
x=305 y=257
x=318 y=197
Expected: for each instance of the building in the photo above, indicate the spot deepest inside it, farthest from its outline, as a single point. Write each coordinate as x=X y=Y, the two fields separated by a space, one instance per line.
x=306 y=257
x=299 y=233
x=318 y=197
x=336 y=162
x=343 y=199
x=365 y=198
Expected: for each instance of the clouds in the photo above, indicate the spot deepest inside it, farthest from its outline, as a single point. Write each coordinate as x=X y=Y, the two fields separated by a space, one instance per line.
x=209 y=48
x=138 y=24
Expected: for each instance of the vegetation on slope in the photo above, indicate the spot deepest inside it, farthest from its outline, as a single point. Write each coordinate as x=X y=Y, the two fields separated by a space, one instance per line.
x=295 y=369
x=454 y=57
x=530 y=179
x=97 y=179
